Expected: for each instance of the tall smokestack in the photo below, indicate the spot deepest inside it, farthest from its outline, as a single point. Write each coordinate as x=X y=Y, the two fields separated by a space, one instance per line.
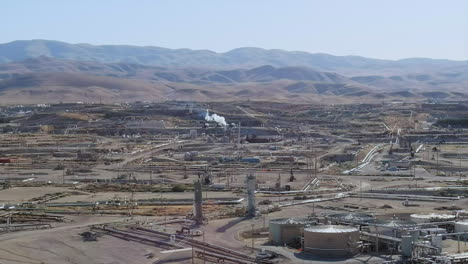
x=251 y=182
x=198 y=203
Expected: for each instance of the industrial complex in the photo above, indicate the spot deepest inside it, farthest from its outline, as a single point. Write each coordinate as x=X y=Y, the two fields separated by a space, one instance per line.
x=234 y=182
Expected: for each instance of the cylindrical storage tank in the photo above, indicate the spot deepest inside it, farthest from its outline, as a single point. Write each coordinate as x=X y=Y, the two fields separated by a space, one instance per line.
x=428 y=218
x=351 y=218
x=436 y=241
x=285 y=230
x=462 y=226
x=331 y=240
x=407 y=246
x=389 y=227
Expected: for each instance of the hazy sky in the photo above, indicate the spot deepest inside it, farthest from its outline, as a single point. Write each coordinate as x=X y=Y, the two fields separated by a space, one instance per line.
x=388 y=29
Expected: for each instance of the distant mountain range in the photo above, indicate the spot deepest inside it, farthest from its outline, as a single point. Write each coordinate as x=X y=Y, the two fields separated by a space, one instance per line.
x=237 y=58
x=47 y=71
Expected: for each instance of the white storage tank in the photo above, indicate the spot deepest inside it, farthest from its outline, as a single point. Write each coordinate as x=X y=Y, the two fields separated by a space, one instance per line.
x=351 y=218
x=331 y=240
x=462 y=226
x=390 y=227
x=429 y=218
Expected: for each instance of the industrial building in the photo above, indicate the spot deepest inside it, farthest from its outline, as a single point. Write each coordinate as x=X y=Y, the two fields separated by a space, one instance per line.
x=283 y=191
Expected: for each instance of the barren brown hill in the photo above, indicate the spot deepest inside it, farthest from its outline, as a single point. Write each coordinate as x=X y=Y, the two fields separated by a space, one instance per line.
x=73 y=87
x=190 y=75
x=43 y=79
x=78 y=87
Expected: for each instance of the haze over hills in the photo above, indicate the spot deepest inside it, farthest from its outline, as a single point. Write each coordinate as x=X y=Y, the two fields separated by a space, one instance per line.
x=189 y=75
x=49 y=71
x=237 y=58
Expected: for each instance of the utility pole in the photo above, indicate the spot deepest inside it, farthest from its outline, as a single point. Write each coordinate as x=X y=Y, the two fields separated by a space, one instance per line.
x=460 y=165
x=437 y=157
x=132 y=201
x=163 y=207
x=238 y=135
x=9 y=222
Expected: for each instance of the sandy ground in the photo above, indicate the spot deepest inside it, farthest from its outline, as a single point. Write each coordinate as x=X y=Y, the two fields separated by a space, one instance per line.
x=451 y=245
x=101 y=196
x=63 y=244
x=22 y=194
x=67 y=247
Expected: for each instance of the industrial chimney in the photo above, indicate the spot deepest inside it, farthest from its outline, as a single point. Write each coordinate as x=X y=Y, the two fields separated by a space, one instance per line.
x=251 y=182
x=198 y=203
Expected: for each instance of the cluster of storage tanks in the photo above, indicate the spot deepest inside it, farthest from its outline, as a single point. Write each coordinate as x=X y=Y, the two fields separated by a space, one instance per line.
x=342 y=238
x=320 y=240
x=285 y=230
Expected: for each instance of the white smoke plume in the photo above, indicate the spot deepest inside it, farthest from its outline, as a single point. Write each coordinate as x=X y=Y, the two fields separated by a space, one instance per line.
x=215 y=118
